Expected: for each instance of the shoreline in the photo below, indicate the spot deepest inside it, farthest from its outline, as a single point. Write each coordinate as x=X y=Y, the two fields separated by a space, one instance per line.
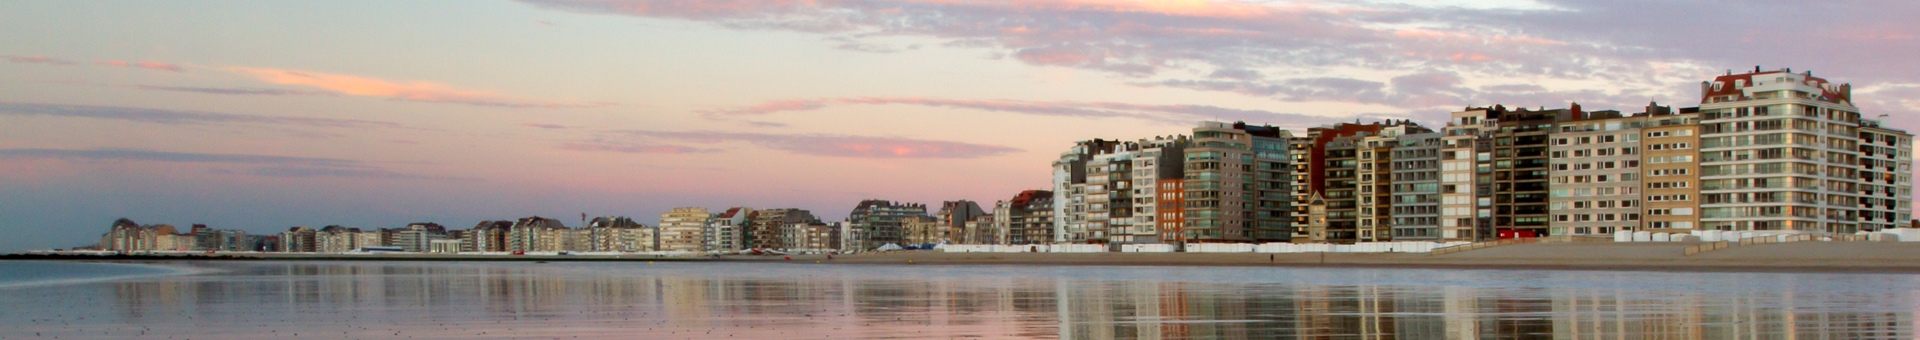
x=1802 y=257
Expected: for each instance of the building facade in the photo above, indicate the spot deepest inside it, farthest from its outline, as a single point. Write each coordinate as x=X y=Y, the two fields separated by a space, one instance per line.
x=877 y=222
x=1595 y=170
x=1670 y=169
x=1783 y=151
x=683 y=229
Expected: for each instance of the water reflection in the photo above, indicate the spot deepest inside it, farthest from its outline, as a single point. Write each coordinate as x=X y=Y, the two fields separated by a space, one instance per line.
x=511 y=300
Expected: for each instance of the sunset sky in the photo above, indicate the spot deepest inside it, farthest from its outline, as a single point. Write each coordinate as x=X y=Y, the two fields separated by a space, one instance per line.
x=261 y=115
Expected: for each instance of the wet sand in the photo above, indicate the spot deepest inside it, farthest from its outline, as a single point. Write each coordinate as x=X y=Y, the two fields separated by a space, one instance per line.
x=1864 y=257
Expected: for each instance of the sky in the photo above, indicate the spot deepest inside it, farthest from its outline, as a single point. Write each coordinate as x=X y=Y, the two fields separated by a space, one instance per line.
x=261 y=116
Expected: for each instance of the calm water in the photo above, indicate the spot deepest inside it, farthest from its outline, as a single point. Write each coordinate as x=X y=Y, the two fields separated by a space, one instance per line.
x=471 y=300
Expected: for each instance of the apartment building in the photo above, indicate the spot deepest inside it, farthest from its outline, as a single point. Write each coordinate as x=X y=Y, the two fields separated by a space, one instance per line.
x=1029 y=218
x=1338 y=196
x=1670 y=167
x=418 y=237
x=1519 y=169
x=813 y=236
x=1159 y=159
x=1374 y=186
x=1308 y=157
x=954 y=216
x=1170 y=212
x=682 y=229
x=1595 y=170
x=294 y=240
x=622 y=234
x=1375 y=178
x=1886 y=171
x=535 y=234
x=1000 y=227
x=723 y=230
x=764 y=232
x=922 y=230
x=1237 y=182
x=1110 y=188
x=486 y=236
x=981 y=230
x=1782 y=151
x=1415 y=187
x=1072 y=206
x=1463 y=166
x=876 y=222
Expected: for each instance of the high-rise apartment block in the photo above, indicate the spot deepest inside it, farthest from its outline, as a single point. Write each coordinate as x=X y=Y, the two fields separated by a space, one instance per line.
x=1237 y=184
x=1789 y=151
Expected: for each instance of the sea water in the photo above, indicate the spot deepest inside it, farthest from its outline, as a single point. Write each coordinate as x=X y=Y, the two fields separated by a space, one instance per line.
x=639 y=300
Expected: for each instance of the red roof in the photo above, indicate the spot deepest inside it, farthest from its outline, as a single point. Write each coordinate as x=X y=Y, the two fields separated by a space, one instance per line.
x=1832 y=92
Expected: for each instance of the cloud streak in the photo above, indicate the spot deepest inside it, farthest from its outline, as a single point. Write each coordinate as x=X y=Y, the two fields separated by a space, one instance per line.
x=109 y=154
x=268 y=165
x=143 y=64
x=238 y=91
x=836 y=145
x=637 y=149
x=34 y=59
x=356 y=172
x=545 y=126
x=1173 y=114
x=175 y=117
x=416 y=91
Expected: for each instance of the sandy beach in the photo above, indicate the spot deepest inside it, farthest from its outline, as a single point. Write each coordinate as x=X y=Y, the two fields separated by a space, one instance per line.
x=1876 y=257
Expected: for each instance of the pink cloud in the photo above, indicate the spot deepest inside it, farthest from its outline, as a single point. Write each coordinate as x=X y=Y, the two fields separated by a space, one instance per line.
x=544 y=126
x=142 y=64
x=419 y=91
x=602 y=147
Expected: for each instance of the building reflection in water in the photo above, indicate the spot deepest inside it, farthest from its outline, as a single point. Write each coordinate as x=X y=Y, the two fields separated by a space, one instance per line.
x=621 y=300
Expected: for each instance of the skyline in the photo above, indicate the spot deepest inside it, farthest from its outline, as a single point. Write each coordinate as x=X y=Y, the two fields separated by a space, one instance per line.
x=265 y=116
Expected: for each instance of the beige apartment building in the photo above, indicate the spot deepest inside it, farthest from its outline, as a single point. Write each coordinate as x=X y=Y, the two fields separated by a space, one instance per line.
x=1460 y=168
x=1595 y=173
x=681 y=228
x=1375 y=185
x=1669 y=150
